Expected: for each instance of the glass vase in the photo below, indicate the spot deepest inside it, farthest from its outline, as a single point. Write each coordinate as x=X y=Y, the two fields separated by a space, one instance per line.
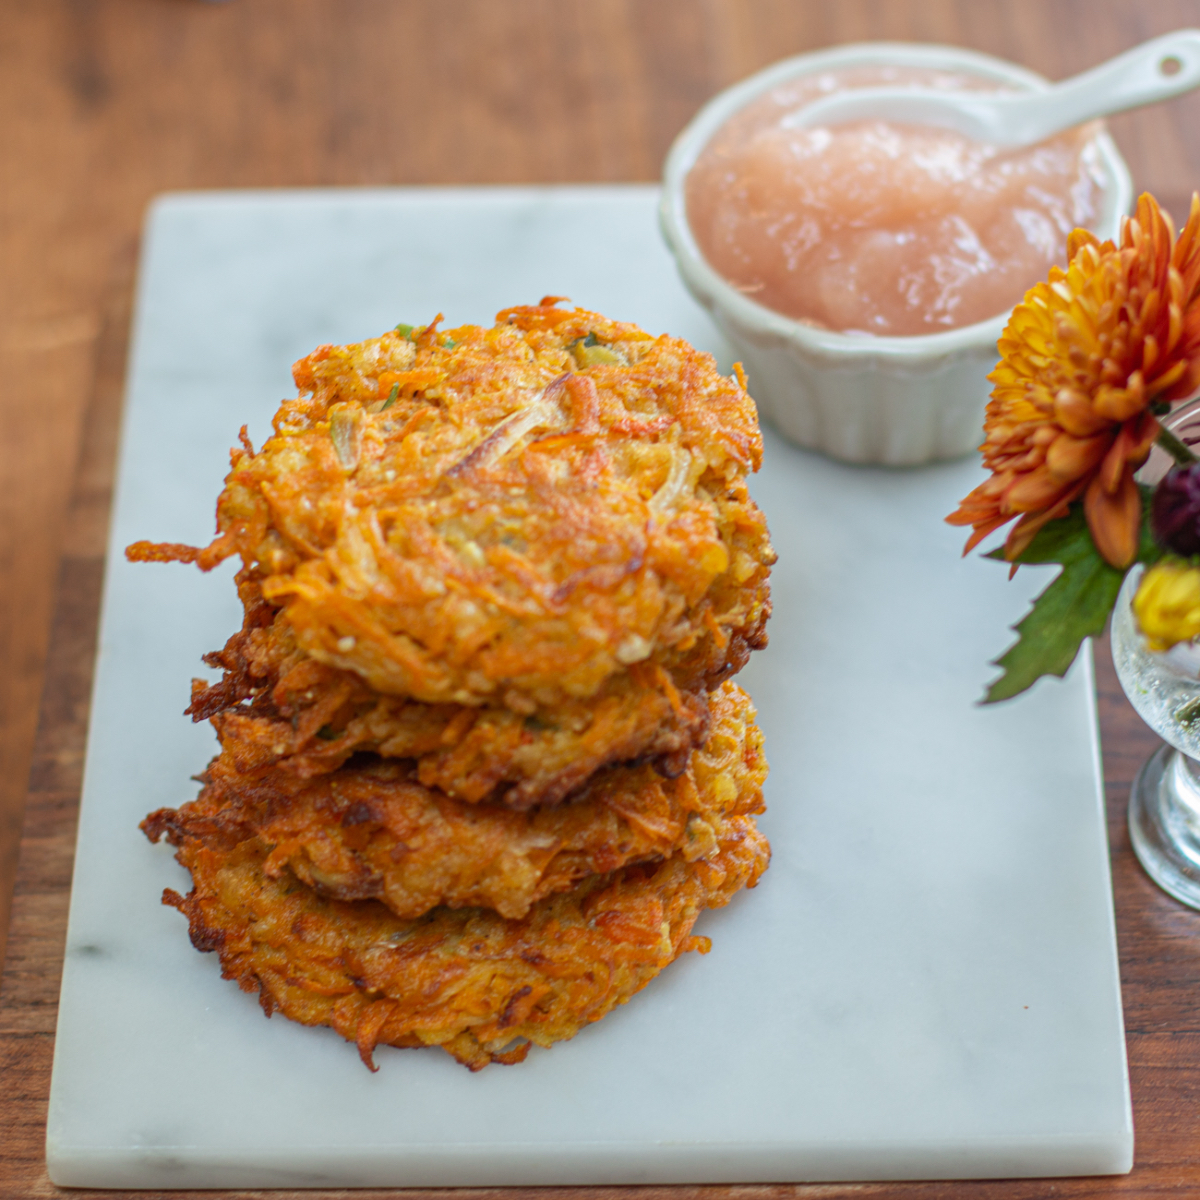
x=1164 y=688
x=1164 y=805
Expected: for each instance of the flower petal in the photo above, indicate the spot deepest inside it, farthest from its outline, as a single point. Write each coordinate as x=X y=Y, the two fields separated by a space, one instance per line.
x=1070 y=457
x=1074 y=412
x=1114 y=519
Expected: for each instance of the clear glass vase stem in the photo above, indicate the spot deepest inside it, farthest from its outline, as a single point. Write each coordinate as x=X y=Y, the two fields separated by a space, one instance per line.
x=1164 y=822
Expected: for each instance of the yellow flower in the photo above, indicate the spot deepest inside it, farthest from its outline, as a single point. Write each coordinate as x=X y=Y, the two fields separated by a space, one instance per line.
x=1085 y=360
x=1167 y=604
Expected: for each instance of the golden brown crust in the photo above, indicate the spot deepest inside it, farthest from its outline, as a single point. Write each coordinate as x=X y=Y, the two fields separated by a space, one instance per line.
x=370 y=831
x=525 y=509
x=277 y=707
x=481 y=987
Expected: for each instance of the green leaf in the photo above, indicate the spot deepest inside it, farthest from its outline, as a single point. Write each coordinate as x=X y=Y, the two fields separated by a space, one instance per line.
x=1075 y=605
x=405 y=331
x=391 y=396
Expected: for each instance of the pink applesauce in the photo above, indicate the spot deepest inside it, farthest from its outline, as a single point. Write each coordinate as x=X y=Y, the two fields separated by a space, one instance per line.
x=879 y=228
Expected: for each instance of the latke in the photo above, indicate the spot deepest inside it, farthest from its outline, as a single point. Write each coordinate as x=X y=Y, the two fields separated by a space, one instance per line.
x=481 y=987
x=369 y=831
x=505 y=514
x=276 y=707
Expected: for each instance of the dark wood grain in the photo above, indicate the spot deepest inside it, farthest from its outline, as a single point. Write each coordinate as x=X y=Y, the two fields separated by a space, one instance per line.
x=108 y=102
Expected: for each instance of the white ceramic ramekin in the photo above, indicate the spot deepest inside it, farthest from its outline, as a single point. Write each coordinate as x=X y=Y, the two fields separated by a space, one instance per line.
x=894 y=400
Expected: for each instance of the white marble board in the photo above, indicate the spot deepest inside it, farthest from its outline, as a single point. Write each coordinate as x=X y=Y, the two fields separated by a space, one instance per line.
x=924 y=984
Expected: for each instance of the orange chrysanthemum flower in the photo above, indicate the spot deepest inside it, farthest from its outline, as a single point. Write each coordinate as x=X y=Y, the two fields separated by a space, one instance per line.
x=1088 y=359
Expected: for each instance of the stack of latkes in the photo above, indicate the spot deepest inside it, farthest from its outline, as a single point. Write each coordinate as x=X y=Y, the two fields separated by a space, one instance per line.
x=481 y=766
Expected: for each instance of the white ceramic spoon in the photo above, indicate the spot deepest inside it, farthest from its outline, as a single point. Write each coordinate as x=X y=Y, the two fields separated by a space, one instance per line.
x=1156 y=70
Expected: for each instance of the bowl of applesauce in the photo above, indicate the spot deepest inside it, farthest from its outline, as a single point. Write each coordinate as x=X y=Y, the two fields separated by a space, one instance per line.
x=865 y=272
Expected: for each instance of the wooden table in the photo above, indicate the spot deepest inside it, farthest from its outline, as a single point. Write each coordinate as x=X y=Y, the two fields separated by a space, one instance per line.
x=108 y=102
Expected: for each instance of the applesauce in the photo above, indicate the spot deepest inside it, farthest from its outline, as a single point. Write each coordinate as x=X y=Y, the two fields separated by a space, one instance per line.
x=880 y=228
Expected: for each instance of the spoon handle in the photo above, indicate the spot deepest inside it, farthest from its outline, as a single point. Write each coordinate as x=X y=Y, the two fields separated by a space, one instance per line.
x=1159 y=69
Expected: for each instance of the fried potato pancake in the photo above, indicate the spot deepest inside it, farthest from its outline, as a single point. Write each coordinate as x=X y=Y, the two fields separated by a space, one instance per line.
x=510 y=515
x=372 y=832
x=480 y=986
x=276 y=706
